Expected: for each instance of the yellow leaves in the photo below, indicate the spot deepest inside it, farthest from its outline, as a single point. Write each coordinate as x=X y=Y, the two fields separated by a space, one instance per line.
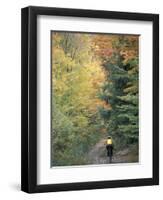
x=92 y=77
x=77 y=82
x=80 y=120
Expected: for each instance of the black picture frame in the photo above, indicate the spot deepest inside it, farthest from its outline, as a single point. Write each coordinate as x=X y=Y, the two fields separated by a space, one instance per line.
x=29 y=99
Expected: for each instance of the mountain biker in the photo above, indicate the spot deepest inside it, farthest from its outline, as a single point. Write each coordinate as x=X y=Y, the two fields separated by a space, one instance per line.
x=109 y=147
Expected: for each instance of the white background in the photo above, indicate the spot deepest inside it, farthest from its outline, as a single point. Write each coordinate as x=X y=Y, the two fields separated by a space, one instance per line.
x=10 y=100
x=47 y=175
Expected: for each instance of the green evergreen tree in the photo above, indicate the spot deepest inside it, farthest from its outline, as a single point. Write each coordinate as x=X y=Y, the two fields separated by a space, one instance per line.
x=121 y=92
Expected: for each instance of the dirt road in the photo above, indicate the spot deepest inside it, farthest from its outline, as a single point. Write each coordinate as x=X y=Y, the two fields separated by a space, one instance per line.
x=97 y=155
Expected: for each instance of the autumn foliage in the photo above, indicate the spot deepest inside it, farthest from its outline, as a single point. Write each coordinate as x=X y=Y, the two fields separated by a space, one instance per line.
x=94 y=93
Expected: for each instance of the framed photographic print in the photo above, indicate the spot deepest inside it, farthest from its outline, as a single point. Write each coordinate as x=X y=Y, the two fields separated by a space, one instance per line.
x=90 y=99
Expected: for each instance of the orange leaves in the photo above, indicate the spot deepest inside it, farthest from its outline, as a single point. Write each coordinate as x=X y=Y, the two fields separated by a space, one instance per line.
x=105 y=45
x=102 y=45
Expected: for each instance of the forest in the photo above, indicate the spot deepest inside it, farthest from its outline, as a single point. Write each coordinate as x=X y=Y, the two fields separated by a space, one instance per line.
x=95 y=93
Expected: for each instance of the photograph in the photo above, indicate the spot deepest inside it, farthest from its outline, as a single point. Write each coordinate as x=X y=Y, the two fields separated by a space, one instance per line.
x=94 y=98
x=90 y=99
